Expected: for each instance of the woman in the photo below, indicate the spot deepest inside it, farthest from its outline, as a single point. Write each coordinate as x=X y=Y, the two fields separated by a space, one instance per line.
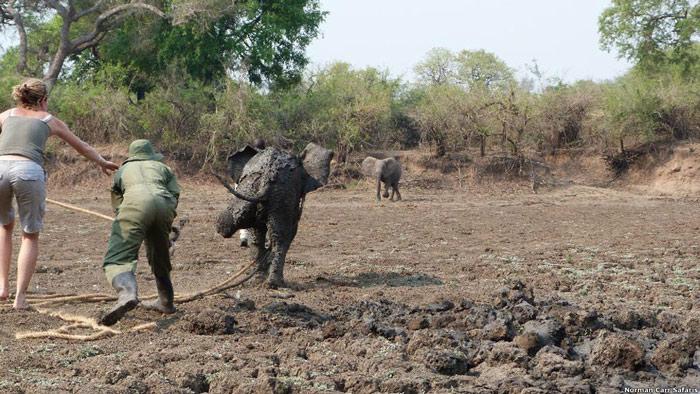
x=23 y=135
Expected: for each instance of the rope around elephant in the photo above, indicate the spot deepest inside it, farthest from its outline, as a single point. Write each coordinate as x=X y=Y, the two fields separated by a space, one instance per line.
x=82 y=322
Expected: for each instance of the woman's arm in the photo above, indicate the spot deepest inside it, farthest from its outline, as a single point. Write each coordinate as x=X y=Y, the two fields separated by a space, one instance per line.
x=60 y=129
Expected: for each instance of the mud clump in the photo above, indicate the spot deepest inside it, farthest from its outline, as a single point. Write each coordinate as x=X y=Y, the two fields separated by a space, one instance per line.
x=405 y=386
x=332 y=330
x=209 y=322
x=446 y=363
x=524 y=312
x=372 y=326
x=613 y=350
x=506 y=353
x=293 y=315
x=418 y=323
x=628 y=319
x=196 y=382
x=513 y=294
x=529 y=342
x=442 y=306
x=542 y=333
x=673 y=355
x=497 y=330
x=552 y=363
x=669 y=322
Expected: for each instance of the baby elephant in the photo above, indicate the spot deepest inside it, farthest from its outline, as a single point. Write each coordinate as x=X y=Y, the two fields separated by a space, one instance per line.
x=386 y=170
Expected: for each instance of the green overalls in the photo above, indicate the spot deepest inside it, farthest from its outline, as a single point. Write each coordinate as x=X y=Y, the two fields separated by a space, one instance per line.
x=145 y=194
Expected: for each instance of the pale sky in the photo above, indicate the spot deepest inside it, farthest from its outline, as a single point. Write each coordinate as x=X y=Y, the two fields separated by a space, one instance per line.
x=562 y=35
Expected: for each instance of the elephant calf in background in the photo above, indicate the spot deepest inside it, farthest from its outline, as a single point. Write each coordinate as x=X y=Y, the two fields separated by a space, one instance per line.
x=269 y=198
x=387 y=171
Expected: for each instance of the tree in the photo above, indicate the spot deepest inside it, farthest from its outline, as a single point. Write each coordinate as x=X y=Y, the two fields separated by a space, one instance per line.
x=340 y=107
x=461 y=92
x=651 y=32
x=482 y=70
x=81 y=24
x=437 y=68
x=265 y=41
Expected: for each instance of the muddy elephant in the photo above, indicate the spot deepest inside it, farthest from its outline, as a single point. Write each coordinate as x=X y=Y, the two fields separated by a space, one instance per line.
x=269 y=198
x=387 y=171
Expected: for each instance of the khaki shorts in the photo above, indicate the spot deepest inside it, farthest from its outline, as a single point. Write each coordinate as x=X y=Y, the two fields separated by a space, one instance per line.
x=25 y=180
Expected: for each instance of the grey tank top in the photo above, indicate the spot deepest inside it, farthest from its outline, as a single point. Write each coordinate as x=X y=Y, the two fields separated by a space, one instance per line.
x=25 y=136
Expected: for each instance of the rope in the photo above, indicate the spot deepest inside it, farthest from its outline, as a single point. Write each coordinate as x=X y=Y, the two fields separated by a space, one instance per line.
x=82 y=322
x=83 y=210
x=79 y=321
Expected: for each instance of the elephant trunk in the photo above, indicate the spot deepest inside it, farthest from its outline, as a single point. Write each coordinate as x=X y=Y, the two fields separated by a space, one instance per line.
x=238 y=215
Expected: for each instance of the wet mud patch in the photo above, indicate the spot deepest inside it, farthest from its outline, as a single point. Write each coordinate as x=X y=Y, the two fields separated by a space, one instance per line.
x=373 y=279
x=294 y=315
x=208 y=321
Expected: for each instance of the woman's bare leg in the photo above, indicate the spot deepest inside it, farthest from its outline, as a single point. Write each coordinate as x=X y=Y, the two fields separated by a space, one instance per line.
x=5 y=257
x=26 y=263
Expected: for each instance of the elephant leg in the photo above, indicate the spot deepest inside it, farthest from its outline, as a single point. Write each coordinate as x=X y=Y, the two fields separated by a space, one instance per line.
x=279 y=254
x=282 y=232
x=260 y=253
x=398 y=193
x=386 y=190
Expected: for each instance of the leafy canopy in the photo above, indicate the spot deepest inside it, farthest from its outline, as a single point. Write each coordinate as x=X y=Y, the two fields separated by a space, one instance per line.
x=651 y=33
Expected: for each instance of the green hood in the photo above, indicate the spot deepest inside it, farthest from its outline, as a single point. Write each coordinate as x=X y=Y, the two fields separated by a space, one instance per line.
x=142 y=150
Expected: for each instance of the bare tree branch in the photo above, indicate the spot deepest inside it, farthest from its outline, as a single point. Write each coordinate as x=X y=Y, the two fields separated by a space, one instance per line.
x=103 y=23
x=109 y=16
x=98 y=5
x=56 y=5
x=22 y=33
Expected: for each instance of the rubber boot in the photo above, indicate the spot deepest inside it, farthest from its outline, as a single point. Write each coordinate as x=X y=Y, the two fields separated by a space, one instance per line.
x=166 y=296
x=125 y=285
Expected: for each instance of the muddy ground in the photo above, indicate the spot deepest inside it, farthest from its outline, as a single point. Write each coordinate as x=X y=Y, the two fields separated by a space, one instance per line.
x=574 y=290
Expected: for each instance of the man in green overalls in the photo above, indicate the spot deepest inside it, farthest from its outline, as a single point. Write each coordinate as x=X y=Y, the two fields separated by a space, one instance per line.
x=145 y=194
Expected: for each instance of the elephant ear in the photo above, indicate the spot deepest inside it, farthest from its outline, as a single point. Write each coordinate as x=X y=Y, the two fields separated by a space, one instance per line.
x=238 y=160
x=317 y=163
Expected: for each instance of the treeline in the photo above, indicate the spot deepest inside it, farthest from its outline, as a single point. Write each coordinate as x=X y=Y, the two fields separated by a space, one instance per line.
x=454 y=106
x=203 y=87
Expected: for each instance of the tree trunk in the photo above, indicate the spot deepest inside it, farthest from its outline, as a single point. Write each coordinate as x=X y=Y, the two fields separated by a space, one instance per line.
x=482 y=145
x=504 y=136
x=22 y=33
x=64 y=50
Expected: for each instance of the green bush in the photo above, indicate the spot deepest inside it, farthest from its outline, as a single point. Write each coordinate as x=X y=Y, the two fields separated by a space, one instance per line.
x=95 y=112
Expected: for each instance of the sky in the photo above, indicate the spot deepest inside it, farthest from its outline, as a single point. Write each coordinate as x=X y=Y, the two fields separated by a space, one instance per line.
x=561 y=35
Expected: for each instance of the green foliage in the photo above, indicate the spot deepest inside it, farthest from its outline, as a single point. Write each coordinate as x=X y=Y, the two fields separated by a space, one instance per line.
x=341 y=107
x=473 y=70
x=437 y=68
x=650 y=108
x=651 y=33
x=442 y=116
x=241 y=115
x=481 y=70
x=95 y=112
x=264 y=40
x=566 y=117
x=8 y=79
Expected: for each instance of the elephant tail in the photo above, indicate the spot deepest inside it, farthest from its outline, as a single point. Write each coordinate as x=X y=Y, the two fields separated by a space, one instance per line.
x=254 y=200
x=233 y=191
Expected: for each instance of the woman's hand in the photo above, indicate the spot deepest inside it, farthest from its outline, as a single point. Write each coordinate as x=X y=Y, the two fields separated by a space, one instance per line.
x=107 y=166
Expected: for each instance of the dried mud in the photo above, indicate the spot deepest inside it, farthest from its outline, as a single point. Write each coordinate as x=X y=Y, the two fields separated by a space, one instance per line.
x=576 y=290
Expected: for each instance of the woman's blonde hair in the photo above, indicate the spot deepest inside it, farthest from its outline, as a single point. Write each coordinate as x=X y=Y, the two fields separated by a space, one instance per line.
x=29 y=93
